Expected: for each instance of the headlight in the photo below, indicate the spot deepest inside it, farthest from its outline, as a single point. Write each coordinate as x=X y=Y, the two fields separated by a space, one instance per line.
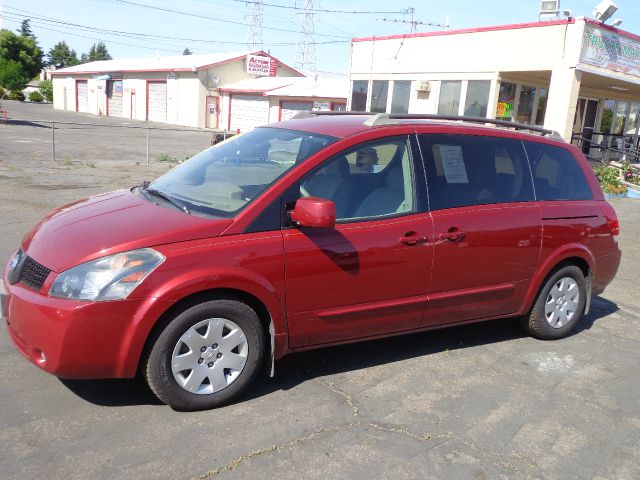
x=107 y=278
x=15 y=263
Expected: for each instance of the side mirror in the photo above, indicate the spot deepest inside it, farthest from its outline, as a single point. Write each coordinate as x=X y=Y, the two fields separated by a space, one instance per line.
x=314 y=212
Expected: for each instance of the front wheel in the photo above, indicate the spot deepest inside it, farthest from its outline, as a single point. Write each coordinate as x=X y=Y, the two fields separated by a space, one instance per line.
x=559 y=306
x=206 y=356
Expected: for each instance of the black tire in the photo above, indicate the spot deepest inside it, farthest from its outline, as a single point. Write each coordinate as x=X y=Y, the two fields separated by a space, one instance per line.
x=158 y=371
x=537 y=325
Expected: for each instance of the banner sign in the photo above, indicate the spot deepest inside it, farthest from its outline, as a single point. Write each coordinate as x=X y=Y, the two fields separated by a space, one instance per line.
x=261 y=65
x=117 y=86
x=610 y=50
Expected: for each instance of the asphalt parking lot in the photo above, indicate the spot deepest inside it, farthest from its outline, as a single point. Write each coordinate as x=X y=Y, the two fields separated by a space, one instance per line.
x=477 y=402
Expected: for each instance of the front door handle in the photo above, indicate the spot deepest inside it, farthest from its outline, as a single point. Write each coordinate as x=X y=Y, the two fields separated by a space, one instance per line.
x=412 y=238
x=454 y=234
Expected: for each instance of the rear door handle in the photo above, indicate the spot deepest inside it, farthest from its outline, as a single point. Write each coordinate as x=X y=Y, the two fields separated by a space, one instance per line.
x=453 y=235
x=412 y=238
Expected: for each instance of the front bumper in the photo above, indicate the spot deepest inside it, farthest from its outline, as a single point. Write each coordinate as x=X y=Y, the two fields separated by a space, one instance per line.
x=70 y=339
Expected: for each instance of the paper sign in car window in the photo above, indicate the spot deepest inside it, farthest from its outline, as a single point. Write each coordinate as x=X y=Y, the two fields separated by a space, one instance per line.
x=453 y=163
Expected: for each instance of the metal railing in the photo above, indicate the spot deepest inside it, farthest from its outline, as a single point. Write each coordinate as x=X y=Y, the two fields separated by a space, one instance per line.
x=56 y=127
x=604 y=147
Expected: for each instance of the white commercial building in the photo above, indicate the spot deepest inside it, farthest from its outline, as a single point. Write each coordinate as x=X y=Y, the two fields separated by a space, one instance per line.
x=573 y=75
x=187 y=90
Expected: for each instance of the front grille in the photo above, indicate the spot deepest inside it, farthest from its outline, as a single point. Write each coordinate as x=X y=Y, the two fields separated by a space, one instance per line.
x=33 y=274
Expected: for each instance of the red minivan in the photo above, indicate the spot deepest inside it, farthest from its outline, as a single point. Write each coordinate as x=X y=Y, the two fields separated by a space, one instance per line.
x=312 y=232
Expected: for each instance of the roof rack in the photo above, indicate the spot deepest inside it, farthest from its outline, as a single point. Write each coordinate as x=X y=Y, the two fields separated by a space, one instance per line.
x=391 y=119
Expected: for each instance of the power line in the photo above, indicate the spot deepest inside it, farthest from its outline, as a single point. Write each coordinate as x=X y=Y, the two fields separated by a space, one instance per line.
x=42 y=20
x=322 y=10
x=196 y=15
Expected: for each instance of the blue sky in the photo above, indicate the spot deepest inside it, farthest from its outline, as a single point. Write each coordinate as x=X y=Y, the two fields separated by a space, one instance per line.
x=227 y=21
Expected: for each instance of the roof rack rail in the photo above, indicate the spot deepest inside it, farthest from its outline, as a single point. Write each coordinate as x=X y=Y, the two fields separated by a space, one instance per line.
x=463 y=118
x=392 y=118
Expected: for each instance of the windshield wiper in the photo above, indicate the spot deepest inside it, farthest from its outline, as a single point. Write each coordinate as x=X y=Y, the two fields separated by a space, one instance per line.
x=164 y=196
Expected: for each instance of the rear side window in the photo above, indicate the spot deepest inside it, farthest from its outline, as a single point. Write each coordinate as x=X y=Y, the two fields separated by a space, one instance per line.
x=556 y=173
x=467 y=170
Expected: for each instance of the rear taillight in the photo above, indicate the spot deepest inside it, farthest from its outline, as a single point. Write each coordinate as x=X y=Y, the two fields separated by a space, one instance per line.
x=612 y=221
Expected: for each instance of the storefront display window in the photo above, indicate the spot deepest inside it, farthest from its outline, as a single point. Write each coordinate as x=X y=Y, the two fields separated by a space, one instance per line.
x=506 y=101
x=607 y=116
x=634 y=119
x=359 y=95
x=543 y=94
x=475 y=104
x=622 y=110
x=400 y=97
x=525 y=104
x=379 y=92
x=449 y=101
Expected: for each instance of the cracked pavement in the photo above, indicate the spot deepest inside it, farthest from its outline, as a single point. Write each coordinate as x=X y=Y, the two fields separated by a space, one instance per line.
x=482 y=401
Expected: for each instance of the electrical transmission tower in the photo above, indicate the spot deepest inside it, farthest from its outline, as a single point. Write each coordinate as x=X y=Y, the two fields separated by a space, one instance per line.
x=306 y=58
x=255 y=38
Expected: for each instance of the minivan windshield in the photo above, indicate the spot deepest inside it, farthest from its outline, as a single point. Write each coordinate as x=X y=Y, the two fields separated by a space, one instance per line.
x=224 y=178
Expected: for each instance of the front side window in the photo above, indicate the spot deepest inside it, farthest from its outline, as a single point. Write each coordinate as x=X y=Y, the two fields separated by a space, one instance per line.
x=370 y=180
x=224 y=178
x=556 y=173
x=469 y=170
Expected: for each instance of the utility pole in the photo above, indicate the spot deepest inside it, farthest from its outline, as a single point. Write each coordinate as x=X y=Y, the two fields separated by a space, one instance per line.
x=306 y=58
x=413 y=22
x=255 y=38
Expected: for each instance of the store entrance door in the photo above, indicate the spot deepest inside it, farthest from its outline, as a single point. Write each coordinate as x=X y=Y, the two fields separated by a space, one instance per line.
x=584 y=123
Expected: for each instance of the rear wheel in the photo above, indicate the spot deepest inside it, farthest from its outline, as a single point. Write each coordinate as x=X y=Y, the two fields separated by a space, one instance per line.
x=206 y=356
x=559 y=306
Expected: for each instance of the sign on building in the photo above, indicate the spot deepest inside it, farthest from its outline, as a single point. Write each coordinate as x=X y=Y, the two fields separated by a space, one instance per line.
x=261 y=65
x=610 y=50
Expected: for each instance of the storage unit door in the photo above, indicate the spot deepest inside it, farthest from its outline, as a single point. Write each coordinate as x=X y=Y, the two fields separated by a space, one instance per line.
x=157 y=106
x=114 y=98
x=291 y=109
x=248 y=112
x=82 y=96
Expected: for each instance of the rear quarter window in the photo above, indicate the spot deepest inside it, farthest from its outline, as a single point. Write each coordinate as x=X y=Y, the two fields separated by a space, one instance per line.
x=556 y=173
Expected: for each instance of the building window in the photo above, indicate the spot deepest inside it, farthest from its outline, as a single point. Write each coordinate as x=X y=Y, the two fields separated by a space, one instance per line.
x=525 y=104
x=379 y=93
x=401 y=96
x=359 y=95
x=477 y=99
x=449 y=101
x=506 y=101
x=607 y=116
x=634 y=118
x=543 y=94
x=622 y=110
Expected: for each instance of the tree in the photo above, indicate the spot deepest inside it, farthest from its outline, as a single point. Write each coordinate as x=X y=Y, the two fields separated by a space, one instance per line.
x=20 y=59
x=61 y=56
x=186 y=51
x=98 y=51
x=25 y=29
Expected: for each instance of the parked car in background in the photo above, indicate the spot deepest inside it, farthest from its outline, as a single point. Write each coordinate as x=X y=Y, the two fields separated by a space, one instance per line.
x=312 y=232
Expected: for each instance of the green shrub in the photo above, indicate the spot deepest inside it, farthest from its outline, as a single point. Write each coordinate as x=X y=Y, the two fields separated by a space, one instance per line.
x=46 y=89
x=609 y=178
x=16 y=95
x=35 y=96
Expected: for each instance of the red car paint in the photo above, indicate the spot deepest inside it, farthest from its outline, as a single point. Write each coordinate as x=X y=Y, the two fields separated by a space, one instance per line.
x=358 y=280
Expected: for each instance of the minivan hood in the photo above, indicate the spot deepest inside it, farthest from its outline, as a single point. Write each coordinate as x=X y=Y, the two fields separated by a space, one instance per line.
x=110 y=223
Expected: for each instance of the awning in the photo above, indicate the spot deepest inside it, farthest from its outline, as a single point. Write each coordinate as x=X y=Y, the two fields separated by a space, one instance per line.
x=102 y=77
